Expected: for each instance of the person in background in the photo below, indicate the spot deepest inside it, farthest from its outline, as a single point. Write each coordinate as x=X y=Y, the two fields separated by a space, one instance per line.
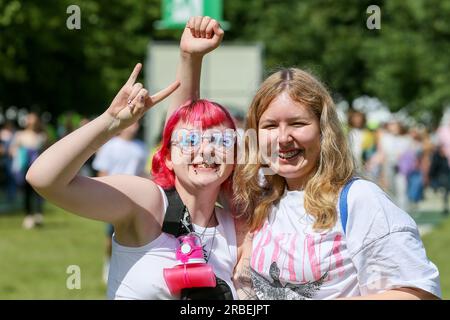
x=123 y=154
x=374 y=164
x=439 y=175
x=362 y=140
x=414 y=163
x=26 y=146
x=357 y=128
x=393 y=143
x=6 y=137
x=443 y=136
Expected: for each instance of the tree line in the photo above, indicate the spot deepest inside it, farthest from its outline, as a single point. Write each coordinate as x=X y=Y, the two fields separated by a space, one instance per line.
x=405 y=63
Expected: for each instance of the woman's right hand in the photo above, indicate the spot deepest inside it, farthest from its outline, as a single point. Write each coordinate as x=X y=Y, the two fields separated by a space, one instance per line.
x=132 y=101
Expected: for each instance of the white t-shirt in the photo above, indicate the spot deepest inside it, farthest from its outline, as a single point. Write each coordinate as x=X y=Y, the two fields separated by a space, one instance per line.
x=381 y=250
x=356 y=142
x=120 y=156
x=393 y=146
x=137 y=272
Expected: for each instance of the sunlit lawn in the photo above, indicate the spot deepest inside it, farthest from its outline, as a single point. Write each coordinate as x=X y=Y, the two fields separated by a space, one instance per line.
x=34 y=263
x=437 y=244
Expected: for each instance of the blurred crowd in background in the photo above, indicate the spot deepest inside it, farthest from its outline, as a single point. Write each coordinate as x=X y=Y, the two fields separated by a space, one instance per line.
x=23 y=136
x=403 y=159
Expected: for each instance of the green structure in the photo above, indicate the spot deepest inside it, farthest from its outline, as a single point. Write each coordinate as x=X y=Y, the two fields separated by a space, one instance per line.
x=175 y=13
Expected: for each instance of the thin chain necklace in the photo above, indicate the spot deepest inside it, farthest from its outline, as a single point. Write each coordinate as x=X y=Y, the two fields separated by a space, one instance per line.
x=202 y=236
x=212 y=245
x=204 y=230
x=187 y=225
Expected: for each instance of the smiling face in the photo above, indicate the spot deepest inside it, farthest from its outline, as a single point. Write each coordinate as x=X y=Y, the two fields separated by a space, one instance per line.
x=289 y=140
x=201 y=159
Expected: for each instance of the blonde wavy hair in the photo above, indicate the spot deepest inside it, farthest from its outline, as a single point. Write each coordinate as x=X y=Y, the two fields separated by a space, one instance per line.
x=334 y=168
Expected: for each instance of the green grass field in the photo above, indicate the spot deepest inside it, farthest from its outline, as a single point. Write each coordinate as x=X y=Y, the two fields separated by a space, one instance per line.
x=33 y=263
x=437 y=244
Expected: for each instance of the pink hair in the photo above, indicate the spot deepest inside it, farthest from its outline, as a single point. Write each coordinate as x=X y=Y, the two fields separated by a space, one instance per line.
x=202 y=111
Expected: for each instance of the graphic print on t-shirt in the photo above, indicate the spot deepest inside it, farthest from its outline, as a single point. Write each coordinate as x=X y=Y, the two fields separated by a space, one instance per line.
x=297 y=265
x=275 y=290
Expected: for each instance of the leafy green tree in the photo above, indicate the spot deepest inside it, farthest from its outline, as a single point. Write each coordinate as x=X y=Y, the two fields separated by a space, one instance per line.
x=48 y=66
x=405 y=63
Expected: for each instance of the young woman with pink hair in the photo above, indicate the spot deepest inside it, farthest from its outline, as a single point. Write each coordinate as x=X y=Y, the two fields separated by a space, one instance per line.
x=189 y=169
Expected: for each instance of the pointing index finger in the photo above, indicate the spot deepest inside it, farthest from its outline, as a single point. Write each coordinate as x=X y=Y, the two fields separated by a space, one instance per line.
x=134 y=74
x=161 y=95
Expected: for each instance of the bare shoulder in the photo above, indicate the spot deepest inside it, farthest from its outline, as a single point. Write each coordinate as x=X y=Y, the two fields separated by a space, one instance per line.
x=149 y=196
x=149 y=215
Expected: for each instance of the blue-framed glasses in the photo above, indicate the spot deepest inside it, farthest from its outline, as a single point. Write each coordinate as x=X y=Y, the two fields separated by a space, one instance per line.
x=190 y=140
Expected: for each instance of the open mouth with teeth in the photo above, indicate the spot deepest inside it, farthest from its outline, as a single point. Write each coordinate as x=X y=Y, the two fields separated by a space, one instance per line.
x=290 y=154
x=206 y=166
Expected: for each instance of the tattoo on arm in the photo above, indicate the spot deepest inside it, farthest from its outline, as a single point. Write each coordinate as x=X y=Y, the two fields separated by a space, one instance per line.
x=244 y=282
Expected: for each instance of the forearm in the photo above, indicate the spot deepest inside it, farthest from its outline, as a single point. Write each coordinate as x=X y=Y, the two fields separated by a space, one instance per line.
x=188 y=73
x=201 y=35
x=60 y=163
x=397 y=294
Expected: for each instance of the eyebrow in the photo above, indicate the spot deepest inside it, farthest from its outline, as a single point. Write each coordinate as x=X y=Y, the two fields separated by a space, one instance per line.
x=288 y=119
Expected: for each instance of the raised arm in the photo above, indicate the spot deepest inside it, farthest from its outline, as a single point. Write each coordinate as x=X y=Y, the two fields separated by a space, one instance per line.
x=111 y=199
x=201 y=35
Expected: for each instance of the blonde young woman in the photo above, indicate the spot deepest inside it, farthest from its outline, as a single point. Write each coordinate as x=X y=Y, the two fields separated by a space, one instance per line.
x=301 y=245
x=297 y=247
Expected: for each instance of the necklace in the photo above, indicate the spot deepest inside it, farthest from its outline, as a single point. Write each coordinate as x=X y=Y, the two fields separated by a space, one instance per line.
x=202 y=236
x=188 y=227
x=206 y=227
x=212 y=245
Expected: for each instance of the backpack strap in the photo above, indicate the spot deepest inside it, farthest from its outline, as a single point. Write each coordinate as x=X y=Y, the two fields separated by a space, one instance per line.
x=177 y=219
x=343 y=206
